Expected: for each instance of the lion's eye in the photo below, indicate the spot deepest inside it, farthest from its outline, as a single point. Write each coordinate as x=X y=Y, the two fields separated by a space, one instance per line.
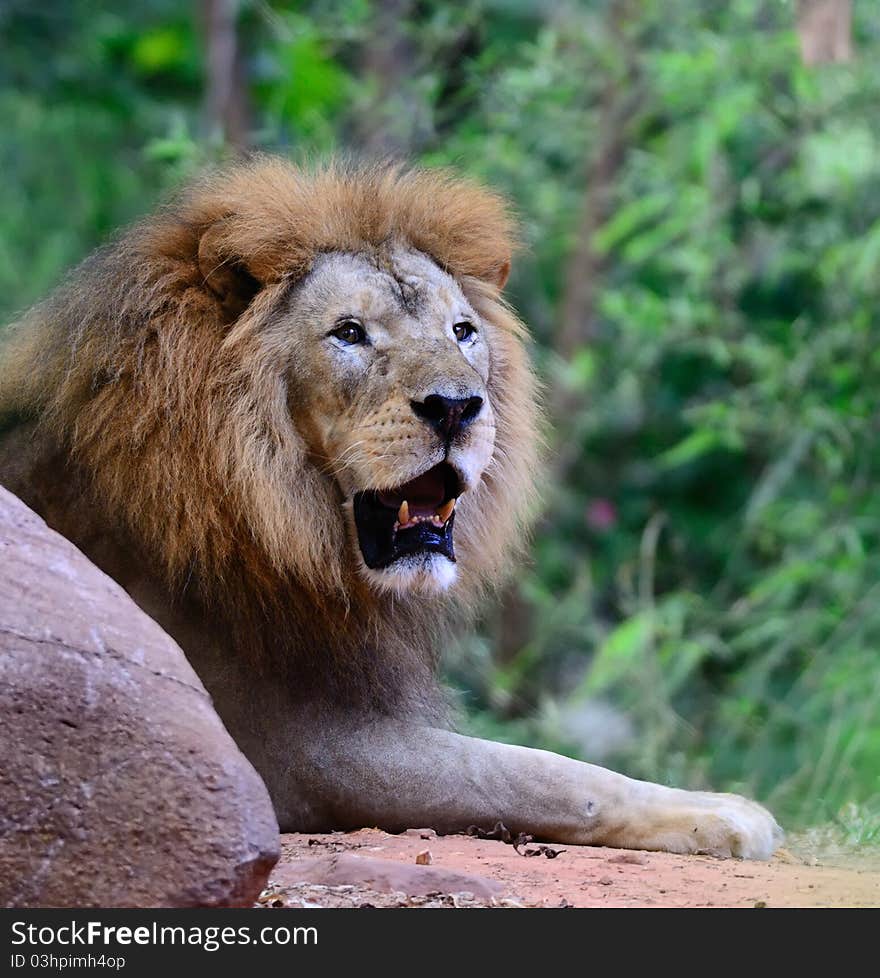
x=350 y=332
x=463 y=331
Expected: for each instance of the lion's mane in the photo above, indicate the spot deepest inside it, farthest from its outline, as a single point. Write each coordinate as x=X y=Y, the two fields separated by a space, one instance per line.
x=144 y=370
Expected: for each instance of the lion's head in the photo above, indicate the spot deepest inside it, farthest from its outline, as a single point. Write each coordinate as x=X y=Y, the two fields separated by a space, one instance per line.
x=392 y=388
x=305 y=375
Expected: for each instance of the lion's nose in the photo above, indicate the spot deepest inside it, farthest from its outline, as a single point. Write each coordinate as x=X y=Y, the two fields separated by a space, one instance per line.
x=448 y=415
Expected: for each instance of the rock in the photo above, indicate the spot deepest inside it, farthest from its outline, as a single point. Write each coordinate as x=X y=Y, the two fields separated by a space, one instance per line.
x=119 y=786
x=383 y=875
x=421 y=833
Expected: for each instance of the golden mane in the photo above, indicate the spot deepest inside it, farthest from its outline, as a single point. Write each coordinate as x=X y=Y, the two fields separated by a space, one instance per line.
x=144 y=368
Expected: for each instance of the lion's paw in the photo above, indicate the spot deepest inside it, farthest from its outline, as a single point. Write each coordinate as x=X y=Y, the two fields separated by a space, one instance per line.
x=729 y=825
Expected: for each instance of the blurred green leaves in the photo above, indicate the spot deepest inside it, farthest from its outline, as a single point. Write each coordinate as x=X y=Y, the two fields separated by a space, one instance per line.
x=299 y=84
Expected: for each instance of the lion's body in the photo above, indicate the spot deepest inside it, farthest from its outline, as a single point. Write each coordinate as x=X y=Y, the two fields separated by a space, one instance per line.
x=188 y=411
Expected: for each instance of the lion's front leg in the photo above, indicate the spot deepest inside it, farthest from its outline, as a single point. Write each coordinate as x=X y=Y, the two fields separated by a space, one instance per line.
x=397 y=775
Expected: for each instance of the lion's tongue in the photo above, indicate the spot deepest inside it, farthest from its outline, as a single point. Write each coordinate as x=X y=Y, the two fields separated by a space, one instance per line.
x=423 y=494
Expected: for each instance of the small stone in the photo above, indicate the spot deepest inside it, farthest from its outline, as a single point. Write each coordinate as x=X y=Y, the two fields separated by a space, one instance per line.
x=424 y=858
x=421 y=833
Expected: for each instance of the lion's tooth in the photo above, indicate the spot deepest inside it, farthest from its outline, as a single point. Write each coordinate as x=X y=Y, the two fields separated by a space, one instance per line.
x=445 y=510
x=403 y=513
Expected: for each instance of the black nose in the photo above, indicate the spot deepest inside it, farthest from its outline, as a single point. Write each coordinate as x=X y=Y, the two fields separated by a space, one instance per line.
x=448 y=415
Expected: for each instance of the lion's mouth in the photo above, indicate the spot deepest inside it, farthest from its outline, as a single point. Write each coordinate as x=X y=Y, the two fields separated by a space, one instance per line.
x=414 y=518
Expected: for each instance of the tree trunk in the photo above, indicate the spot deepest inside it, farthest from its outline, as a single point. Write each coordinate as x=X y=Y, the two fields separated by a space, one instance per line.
x=577 y=317
x=225 y=97
x=387 y=125
x=825 y=30
x=618 y=103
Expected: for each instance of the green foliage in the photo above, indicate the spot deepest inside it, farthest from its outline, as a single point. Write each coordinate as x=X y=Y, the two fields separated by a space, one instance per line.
x=728 y=418
x=709 y=562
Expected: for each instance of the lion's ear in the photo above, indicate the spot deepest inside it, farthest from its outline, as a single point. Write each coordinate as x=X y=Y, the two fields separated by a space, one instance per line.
x=224 y=273
x=501 y=274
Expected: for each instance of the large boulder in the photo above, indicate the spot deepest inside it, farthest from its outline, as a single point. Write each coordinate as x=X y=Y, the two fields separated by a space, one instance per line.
x=119 y=786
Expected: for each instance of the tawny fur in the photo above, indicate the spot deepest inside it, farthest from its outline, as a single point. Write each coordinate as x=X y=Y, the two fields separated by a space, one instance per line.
x=144 y=370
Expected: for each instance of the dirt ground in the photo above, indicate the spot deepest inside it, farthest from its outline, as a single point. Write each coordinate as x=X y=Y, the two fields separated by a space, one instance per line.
x=372 y=868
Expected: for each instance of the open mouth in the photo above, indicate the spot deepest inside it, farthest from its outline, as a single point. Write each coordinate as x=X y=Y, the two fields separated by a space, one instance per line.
x=414 y=518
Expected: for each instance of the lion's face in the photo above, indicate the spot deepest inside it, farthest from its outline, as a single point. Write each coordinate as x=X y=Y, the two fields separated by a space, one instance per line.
x=277 y=391
x=390 y=389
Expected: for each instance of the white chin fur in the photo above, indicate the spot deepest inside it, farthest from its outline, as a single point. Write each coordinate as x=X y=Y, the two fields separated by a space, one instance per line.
x=419 y=573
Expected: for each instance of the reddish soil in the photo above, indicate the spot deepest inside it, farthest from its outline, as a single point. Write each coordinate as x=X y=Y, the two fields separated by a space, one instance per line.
x=578 y=876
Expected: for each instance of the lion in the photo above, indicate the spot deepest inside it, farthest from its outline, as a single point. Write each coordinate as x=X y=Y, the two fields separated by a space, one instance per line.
x=292 y=415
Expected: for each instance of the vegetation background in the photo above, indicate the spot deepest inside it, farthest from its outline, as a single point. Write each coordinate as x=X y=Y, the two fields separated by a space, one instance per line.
x=699 y=186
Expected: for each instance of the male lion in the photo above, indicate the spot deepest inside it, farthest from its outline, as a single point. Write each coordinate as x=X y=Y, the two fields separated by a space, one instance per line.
x=293 y=417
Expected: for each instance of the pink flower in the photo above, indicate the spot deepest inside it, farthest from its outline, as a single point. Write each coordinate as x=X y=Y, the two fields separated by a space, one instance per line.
x=601 y=515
